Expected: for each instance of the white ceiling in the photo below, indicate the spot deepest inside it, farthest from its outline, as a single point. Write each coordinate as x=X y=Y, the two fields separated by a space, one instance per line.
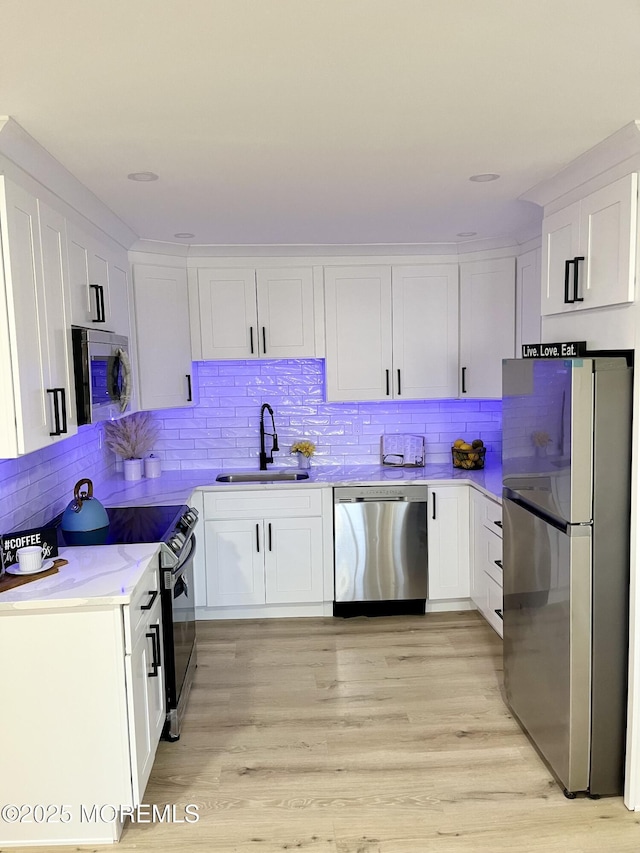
x=319 y=121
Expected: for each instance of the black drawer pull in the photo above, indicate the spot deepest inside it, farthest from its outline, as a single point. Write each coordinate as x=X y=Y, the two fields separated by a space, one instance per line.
x=154 y=594
x=498 y=563
x=498 y=524
x=498 y=613
x=464 y=380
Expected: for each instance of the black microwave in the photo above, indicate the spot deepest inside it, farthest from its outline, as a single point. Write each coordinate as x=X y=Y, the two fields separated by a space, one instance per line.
x=102 y=372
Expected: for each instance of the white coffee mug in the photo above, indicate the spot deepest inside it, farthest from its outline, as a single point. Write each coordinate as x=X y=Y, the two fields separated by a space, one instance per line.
x=30 y=558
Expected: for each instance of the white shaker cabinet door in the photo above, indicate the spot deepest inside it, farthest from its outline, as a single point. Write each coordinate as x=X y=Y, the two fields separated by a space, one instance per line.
x=285 y=313
x=228 y=313
x=84 y=301
x=161 y=303
x=293 y=560
x=235 y=562
x=528 y=309
x=425 y=331
x=560 y=243
x=358 y=333
x=608 y=227
x=119 y=294
x=27 y=318
x=487 y=325
x=448 y=542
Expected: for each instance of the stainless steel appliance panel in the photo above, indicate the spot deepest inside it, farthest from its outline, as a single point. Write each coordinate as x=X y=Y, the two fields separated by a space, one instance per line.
x=380 y=543
x=547 y=637
x=547 y=413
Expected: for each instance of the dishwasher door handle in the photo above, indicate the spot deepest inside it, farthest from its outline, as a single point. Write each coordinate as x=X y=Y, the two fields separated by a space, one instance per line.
x=399 y=499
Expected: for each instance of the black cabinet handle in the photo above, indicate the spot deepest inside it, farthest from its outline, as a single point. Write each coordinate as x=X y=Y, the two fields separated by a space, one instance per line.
x=189 y=394
x=567 y=298
x=399 y=385
x=56 y=411
x=264 y=340
x=154 y=636
x=433 y=503
x=498 y=524
x=269 y=535
x=498 y=613
x=63 y=408
x=464 y=380
x=387 y=374
x=576 y=298
x=498 y=563
x=100 y=312
x=258 y=538
x=251 y=338
x=154 y=594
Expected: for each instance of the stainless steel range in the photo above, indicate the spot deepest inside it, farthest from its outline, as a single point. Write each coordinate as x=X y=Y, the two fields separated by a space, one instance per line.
x=173 y=527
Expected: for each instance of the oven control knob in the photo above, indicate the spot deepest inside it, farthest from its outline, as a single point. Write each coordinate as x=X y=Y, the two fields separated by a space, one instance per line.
x=176 y=542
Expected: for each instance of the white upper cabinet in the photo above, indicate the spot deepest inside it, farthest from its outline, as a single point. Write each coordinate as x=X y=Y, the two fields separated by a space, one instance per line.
x=161 y=304
x=425 y=331
x=358 y=332
x=528 y=319
x=392 y=332
x=589 y=249
x=98 y=283
x=38 y=400
x=249 y=313
x=285 y=313
x=487 y=325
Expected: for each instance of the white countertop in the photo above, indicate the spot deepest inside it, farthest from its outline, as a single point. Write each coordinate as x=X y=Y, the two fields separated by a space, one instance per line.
x=95 y=575
x=107 y=574
x=176 y=487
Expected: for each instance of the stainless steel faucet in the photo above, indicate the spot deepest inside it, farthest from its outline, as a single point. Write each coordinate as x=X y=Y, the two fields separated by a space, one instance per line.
x=274 y=446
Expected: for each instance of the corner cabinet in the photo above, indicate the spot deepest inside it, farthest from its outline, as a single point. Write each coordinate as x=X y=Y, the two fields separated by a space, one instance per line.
x=448 y=542
x=254 y=313
x=87 y=709
x=163 y=337
x=267 y=548
x=589 y=250
x=487 y=325
x=391 y=332
x=35 y=353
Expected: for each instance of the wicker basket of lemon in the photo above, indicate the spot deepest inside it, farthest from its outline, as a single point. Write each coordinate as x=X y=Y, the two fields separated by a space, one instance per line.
x=469 y=456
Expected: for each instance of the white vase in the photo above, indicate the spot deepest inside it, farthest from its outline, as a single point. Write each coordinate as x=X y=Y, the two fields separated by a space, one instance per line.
x=304 y=462
x=133 y=469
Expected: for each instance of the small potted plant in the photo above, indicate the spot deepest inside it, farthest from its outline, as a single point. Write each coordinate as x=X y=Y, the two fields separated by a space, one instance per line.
x=131 y=438
x=305 y=450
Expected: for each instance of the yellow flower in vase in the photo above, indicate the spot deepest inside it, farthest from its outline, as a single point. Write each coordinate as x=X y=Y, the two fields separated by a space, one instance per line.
x=305 y=450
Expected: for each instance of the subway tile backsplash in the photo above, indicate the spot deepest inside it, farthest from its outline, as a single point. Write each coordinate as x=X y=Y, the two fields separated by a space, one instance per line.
x=222 y=430
x=39 y=485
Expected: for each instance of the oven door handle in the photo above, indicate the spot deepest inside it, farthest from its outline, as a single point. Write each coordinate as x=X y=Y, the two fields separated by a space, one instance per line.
x=174 y=576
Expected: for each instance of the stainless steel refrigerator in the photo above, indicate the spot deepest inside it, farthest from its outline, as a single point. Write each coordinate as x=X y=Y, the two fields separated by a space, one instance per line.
x=566 y=517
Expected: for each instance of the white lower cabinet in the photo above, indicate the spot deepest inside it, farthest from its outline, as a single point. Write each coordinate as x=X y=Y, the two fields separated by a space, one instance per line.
x=486 y=558
x=266 y=548
x=448 y=542
x=87 y=708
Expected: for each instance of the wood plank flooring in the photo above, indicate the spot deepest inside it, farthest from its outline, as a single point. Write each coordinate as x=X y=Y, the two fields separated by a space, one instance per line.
x=384 y=735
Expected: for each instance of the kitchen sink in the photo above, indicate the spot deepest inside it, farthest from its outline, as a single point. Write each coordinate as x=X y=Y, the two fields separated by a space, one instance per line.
x=261 y=476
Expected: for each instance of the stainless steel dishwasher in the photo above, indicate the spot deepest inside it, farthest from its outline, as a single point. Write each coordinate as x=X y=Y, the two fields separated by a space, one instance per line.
x=380 y=535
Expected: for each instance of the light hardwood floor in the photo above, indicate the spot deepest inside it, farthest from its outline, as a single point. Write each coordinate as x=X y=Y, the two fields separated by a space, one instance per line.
x=362 y=736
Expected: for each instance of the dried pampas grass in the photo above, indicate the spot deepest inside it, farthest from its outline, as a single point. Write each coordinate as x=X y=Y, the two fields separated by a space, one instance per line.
x=133 y=436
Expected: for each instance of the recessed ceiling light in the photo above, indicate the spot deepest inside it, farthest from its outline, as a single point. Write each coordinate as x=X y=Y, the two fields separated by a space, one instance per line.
x=184 y=235
x=488 y=176
x=143 y=176
x=466 y=233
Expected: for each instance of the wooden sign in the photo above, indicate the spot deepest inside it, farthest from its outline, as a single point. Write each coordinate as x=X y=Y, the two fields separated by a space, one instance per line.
x=565 y=349
x=46 y=537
